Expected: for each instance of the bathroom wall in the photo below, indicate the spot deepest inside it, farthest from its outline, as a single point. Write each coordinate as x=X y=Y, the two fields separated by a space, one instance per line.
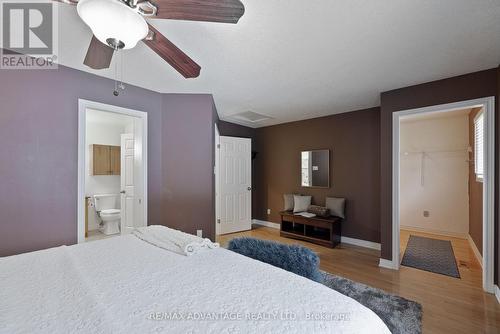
x=103 y=128
x=438 y=185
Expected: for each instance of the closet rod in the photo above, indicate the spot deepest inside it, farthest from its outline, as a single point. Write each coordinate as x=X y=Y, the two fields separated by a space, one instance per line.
x=435 y=151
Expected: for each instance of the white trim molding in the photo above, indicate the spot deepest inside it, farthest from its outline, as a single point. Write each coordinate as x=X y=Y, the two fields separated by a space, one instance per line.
x=488 y=103
x=388 y=264
x=360 y=243
x=497 y=293
x=478 y=255
x=83 y=105
x=265 y=223
x=345 y=240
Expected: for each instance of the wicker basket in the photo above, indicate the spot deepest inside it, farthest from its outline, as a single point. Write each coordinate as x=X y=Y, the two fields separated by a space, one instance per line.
x=319 y=211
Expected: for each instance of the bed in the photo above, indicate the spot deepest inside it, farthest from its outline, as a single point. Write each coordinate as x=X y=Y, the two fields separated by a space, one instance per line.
x=126 y=285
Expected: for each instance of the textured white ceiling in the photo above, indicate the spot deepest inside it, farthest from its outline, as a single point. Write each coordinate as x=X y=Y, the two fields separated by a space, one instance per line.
x=435 y=115
x=297 y=59
x=104 y=117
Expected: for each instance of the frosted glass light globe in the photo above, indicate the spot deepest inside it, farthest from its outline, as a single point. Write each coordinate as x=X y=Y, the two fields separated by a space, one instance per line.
x=112 y=20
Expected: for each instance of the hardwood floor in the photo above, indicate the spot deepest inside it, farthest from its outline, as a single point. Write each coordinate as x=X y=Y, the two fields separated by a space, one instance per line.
x=96 y=235
x=450 y=305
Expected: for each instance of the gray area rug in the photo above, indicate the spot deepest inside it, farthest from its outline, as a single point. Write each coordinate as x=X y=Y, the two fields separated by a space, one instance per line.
x=431 y=255
x=402 y=316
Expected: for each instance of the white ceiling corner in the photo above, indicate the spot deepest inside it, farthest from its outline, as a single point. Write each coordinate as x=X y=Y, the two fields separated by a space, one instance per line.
x=296 y=59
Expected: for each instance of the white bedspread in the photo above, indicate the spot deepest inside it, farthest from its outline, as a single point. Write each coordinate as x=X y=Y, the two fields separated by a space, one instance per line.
x=125 y=285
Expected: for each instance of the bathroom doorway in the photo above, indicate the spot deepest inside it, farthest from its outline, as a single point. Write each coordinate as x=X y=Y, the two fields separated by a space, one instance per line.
x=112 y=170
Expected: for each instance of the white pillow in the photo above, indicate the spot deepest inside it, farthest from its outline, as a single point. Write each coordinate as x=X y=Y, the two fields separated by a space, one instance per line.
x=336 y=206
x=288 y=198
x=301 y=203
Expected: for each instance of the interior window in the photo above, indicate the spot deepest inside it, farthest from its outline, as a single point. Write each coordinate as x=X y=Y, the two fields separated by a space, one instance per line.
x=479 y=146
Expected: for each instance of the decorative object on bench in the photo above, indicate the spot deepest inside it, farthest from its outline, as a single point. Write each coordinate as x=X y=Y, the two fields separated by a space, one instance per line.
x=294 y=258
x=325 y=231
x=306 y=214
x=319 y=211
x=336 y=206
x=402 y=316
x=301 y=203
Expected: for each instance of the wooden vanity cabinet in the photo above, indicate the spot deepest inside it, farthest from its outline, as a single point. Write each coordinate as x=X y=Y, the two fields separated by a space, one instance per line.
x=104 y=160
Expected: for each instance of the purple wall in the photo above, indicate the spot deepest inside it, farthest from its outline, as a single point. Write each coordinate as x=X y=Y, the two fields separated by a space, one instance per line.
x=188 y=146
x=38 y=132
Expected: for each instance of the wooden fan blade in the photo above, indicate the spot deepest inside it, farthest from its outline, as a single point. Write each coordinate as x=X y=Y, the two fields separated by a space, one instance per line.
x=172 y=54
x=69 y=2
x=225 y=11
x=99 y=55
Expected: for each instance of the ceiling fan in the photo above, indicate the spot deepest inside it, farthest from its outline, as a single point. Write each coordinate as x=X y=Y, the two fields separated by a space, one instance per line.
x=121 y=24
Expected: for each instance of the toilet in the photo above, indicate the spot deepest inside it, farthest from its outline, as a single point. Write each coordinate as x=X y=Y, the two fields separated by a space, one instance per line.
x=106 y=206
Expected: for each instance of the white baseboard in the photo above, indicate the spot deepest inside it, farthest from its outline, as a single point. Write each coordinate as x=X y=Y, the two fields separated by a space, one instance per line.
x=497 y=293
x=475 y=250
x=361 y=243
x=433 y=231
x=388 y=264
x=266 y=223
x=346 y=240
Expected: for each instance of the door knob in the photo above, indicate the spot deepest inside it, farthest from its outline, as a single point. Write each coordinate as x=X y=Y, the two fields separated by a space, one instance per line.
x=249 y=188
x=122 y=192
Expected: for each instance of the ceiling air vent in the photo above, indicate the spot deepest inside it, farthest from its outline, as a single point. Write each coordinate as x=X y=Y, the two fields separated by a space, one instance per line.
x=250 y=116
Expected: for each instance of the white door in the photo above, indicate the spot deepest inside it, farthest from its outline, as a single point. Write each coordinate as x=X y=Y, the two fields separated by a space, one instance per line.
x=127 y=183
x=235 y=184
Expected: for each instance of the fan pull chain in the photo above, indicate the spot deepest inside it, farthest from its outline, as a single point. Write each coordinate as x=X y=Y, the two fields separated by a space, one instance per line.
x=122 y=86
x=119 y=75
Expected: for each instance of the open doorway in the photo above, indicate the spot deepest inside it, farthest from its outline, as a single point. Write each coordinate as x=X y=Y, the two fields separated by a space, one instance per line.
x=443 y=188
x=112 y=170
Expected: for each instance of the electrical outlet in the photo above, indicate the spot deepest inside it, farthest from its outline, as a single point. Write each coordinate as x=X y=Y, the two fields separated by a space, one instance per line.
x=268 y=211
x=199 y=233
x=426 y=214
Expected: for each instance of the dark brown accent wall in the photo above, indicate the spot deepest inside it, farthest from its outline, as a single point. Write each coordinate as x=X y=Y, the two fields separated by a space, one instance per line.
x=475 y=192
x=235 y=130
x=38 y=169
x=459 y=88
x=353 y=140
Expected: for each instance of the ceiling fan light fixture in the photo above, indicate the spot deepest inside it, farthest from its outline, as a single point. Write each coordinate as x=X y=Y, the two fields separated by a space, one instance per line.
x=113 y=23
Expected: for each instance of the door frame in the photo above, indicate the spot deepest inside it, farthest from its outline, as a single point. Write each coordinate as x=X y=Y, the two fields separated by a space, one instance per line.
x=217 y=179
x=83 y=105
x=488 y=103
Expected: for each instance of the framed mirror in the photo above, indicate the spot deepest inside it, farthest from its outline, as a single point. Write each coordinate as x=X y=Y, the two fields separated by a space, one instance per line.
x=315 y=168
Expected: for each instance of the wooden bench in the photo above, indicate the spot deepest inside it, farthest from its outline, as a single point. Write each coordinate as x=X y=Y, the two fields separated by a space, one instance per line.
x=325 y=231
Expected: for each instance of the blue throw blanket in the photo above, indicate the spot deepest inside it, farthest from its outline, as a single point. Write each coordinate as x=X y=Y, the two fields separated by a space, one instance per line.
x=294 y=258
